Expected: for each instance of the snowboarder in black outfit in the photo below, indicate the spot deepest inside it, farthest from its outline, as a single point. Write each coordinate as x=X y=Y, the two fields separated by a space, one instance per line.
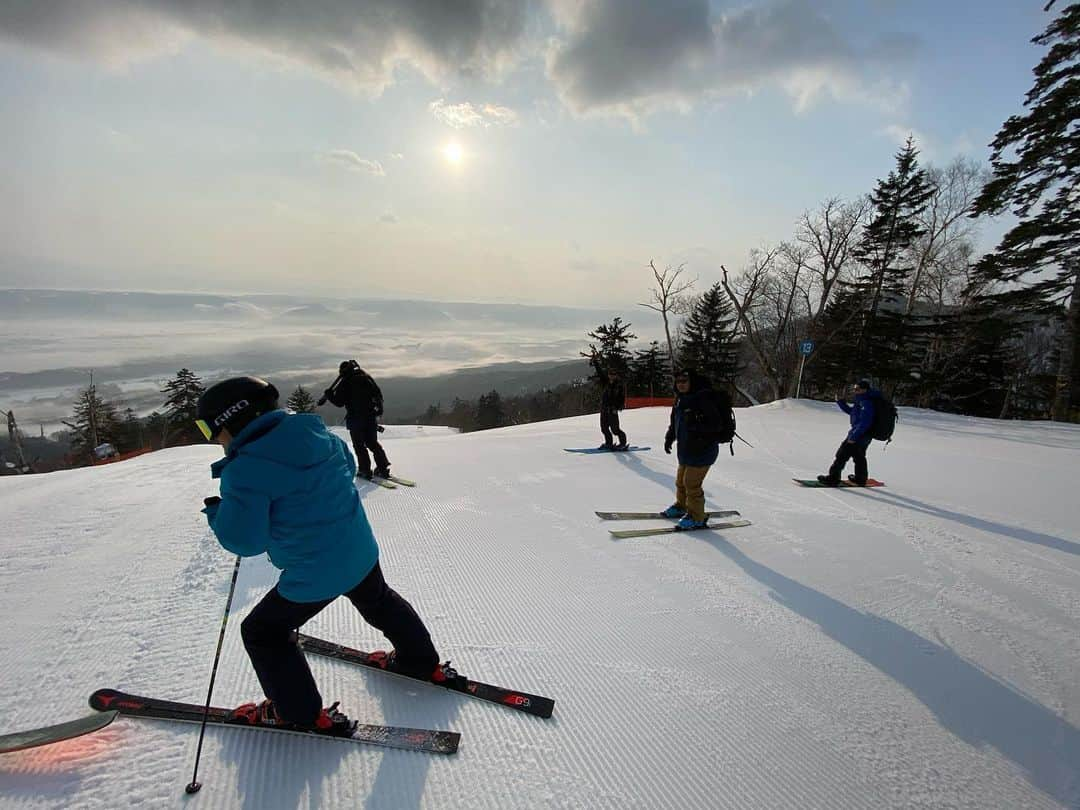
x=612 y=400
x=357 y=392
x=858 y=439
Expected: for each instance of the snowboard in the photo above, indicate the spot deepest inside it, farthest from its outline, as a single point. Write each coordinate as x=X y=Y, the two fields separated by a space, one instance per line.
x=815 y=484
x=18 y=740
x=591 y=450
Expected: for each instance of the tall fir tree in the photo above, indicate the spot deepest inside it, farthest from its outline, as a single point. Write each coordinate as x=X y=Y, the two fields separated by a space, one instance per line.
x=490 y=412
x=650 y=372
x=1036 y=174
x=94 y=422
x=181 y=404
x=709 y=343
x=612 y=353
x=301 y=401
x=884 y=253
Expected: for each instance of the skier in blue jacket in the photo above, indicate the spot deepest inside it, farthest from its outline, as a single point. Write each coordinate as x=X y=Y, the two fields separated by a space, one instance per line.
x=858 y=438
x=287 y=491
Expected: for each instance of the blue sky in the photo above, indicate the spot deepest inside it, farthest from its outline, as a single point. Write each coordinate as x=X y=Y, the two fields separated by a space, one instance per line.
x=266 y=147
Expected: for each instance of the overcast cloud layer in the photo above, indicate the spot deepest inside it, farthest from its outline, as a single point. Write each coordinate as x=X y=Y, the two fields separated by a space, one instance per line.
x=622 y=56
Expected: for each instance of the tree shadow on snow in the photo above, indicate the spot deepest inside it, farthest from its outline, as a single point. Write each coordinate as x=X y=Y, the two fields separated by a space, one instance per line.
x=1015 y=532
x=969 y=702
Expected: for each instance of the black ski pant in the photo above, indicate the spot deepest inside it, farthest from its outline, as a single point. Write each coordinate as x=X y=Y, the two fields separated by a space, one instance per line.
x=851 y=450
x=269 y=634
x=609 y=423
x=365 y=436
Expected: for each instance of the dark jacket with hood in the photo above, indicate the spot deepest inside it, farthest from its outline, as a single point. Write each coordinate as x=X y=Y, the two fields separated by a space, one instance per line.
x=358 y=393
x=695 y=423
x=613 y=397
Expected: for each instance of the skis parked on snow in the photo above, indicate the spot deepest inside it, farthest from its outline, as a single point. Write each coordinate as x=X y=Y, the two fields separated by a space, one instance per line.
x=631 y=449
x=410 y=739
x=521 y=701
x=656 y=515
x=18 y=740
x=814 y=483
x=624 y=533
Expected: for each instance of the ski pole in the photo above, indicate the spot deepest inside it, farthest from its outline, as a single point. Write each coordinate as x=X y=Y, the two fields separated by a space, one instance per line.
x=194 y=786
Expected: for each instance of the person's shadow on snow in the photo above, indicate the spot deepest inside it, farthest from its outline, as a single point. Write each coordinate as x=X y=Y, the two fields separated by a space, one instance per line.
x=971 y=703
x=277 y=770
x=1015 y=532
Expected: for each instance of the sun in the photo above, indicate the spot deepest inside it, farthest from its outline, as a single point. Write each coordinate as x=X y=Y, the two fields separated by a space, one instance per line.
x=453 y=153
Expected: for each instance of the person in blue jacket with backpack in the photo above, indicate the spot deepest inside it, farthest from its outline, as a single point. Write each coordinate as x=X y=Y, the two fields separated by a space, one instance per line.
x=287 y=491
x=862 y=412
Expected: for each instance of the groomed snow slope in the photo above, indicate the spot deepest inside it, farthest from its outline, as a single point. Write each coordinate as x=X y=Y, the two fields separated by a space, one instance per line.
x=913 y=646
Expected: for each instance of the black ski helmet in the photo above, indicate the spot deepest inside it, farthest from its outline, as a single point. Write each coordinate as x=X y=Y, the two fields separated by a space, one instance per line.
x=233 y=403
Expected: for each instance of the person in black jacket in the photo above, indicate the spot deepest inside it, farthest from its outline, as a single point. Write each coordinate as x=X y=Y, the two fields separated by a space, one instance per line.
x=696 y=426
x=612 y=400
x=357 y=392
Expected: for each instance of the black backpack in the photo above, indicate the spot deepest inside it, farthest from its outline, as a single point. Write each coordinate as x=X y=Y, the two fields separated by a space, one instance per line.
x=884 y=423
x=726 y=429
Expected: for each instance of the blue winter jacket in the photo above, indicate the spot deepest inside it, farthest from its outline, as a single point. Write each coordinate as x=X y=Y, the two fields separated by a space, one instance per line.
x=861 y=413
x=287 y=489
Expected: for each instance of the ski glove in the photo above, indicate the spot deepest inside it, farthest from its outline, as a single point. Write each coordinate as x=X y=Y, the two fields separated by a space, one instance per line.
x=667 y=445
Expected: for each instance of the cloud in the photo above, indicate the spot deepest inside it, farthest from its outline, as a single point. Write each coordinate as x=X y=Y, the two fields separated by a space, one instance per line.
x=358 y=43
x=461 y=116
x=351 y=160
x=625 y=57
x=632 y=57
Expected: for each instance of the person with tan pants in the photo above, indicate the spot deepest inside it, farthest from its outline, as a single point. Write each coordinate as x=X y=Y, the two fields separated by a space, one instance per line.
x=700 y=420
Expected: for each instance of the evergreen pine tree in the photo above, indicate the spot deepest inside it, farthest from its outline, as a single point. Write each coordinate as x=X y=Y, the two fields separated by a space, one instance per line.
x=301 y=401
x=709 y=343
x=94 y=422
x=835 y=363
x=612 y=352
x=1036 y=174
x=884 y=253
x=650 y=372
x=181 y=404
x=490 y=412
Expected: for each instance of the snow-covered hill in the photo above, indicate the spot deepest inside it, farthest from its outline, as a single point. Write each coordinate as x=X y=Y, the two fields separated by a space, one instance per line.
x=912 y=646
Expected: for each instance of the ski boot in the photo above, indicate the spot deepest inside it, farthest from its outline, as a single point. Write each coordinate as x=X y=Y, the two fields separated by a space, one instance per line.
x=687 y=523
x=829 y=482
x=446 y=675
x=674 y=511
x=364 y=475
x=382 y=472
x=329 y=721
x=856 y=481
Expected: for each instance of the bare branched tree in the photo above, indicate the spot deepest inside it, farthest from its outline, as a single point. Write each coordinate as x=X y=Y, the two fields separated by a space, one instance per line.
x=669 y=297
x=948 y=228
x=828 y=234
x=748 y=294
